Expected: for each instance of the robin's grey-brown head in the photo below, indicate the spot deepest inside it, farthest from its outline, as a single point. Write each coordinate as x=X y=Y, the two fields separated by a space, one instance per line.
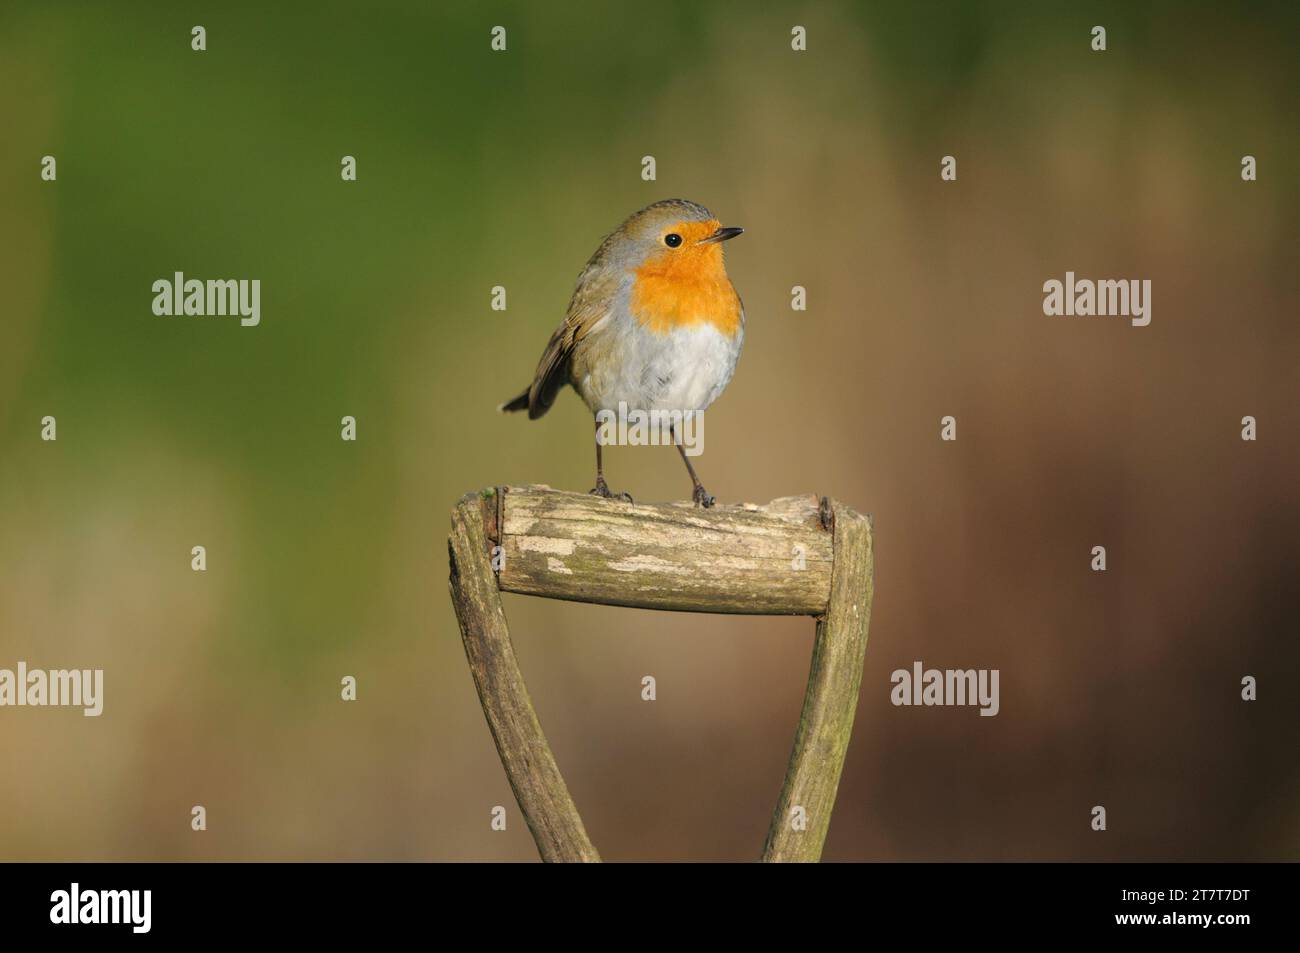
x=662 y=227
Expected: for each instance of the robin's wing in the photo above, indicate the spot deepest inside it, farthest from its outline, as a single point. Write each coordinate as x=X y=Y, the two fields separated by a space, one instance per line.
x=589 y=307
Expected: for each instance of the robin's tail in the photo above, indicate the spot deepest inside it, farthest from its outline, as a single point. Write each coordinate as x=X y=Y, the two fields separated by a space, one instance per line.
x=519 y=403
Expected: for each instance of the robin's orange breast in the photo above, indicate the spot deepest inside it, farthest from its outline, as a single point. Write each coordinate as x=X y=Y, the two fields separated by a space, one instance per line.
x=685 y=287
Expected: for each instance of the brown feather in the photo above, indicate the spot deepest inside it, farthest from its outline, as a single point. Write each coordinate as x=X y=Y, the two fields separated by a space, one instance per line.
x=591 y=299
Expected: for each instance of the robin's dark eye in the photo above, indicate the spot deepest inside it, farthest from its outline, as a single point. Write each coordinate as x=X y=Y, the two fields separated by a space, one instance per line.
x=672 y=239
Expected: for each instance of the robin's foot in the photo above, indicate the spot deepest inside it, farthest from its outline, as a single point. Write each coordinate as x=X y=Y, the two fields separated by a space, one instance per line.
x=701 y=497
x=602 y=490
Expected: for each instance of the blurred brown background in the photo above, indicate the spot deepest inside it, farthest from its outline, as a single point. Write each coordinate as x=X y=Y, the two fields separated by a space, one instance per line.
x=477 y=169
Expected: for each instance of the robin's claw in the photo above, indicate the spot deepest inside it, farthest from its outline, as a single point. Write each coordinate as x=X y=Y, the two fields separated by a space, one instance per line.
x=702 y=498
x=602 y=490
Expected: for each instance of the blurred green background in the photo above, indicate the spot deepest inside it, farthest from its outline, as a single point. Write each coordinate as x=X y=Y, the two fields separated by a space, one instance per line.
x=478 y=169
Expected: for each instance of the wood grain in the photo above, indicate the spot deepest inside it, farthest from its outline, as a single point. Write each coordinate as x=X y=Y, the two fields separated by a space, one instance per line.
x=794 y=556
x=530 y=766
x=757 y=560
x=831 y=700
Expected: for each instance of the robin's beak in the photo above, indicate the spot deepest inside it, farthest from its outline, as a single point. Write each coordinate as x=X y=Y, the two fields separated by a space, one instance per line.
x=722 y=235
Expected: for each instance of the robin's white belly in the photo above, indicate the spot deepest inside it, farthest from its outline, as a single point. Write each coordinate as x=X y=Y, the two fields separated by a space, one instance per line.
x=684 y=370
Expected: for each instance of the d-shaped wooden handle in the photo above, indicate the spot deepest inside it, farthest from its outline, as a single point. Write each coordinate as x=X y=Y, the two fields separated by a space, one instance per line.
x=795 y=556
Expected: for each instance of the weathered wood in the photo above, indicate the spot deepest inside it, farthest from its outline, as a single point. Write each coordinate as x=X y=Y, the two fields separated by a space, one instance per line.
x=758 y=560
x=792 y=556
x=530 y=766
x=826 y=722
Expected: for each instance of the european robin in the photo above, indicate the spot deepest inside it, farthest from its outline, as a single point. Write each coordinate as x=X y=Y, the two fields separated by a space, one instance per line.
x=654 y=324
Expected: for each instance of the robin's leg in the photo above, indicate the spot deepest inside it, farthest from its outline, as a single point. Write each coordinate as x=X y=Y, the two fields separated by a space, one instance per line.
x=699 y=495
x=602 y=488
